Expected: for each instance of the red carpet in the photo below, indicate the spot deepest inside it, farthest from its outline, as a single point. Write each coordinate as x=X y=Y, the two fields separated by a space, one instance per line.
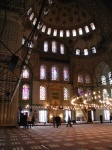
x=77 y=137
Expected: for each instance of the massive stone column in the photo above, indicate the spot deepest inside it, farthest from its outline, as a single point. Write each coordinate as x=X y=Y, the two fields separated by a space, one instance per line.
x=10 y=42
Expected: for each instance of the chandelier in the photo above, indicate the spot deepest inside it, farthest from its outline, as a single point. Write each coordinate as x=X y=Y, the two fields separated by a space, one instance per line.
x=92 y=99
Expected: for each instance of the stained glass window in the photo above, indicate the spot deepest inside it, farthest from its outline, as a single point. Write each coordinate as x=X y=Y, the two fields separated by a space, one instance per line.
x=62 y=49
x=39 y=26
x=55 y=32
x=111 y=92
x=87 y=78
x=25 y=73
x=105 y=94
x=31 y=16
x=67 y=33
x=42 y=93
x=110 y=78
x=66 y=93
x=80 y=91
x=80 y=78
x=92 y=26
x=80 y=31
x=77 y=51
x=86 y=29
x=29 y=11
x=54 y=46
x=85 y=51
x=103 y=79
x=34 y=21
x=74 y=32
x=93 y=50
x=66 y=74
x=45 y=46
x=54 y=73
x=43 y=28
x=42 y=72
x=89 y=94
x=49 y=31
x=23 y=41
x=61 y=33
x=25 y=92
x=30 y=44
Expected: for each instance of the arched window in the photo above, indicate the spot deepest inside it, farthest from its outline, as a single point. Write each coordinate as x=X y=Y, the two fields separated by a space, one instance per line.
x=23 y=41
x=93 y=49
x=87 y=78
x=67 y=33
x=89 y=94
x=85 y=51
x=77 y=51
x=54 y=46
x=42 y=72
x=29 y=11
x=34 y=21
x=105 y=94
x=61 y=33
x=80 y=91
x=80 y=31
x=43 y=28
x=49 y=31
x=25 y=73
x=31 y=16
x=54 y=73
x=110 y=78
x=25 y=92
x=62 y=49
x=103 y=79
x=92 y=26
x=45 y=46
x=55 y=32
x=43 y=93
x=111 y=93
x=66 y=93
x=66 y=74
x=74 y=32
x=80 y=78
x=30 y=44
x=86 y=29
x=39 y=26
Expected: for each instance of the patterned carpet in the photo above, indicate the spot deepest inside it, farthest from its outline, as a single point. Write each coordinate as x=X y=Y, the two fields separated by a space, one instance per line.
x=78 y=137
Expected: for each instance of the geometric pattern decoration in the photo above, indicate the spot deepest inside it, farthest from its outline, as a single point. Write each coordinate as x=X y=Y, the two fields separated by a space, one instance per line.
x=78 y=137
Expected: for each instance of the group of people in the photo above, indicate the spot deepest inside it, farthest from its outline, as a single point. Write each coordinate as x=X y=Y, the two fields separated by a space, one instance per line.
x=30 y=121
x=56 y=121
x=26 y=121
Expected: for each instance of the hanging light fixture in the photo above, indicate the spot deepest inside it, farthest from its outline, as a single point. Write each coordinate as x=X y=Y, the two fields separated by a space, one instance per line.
x=94 y=97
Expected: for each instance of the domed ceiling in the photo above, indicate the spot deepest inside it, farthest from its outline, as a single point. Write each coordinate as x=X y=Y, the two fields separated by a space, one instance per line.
x=67 y=19
x=64 y=14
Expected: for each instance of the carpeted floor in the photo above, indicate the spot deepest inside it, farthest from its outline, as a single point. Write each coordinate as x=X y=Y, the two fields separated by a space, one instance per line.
x=77 y=137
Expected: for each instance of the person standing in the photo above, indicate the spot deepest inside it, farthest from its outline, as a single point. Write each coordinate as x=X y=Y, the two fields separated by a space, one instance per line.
x=54 y=121
x=33 y=120
x=29 y=121
x=69 y=122
x=25 y=123
x=58 y=121
x=101 y=119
